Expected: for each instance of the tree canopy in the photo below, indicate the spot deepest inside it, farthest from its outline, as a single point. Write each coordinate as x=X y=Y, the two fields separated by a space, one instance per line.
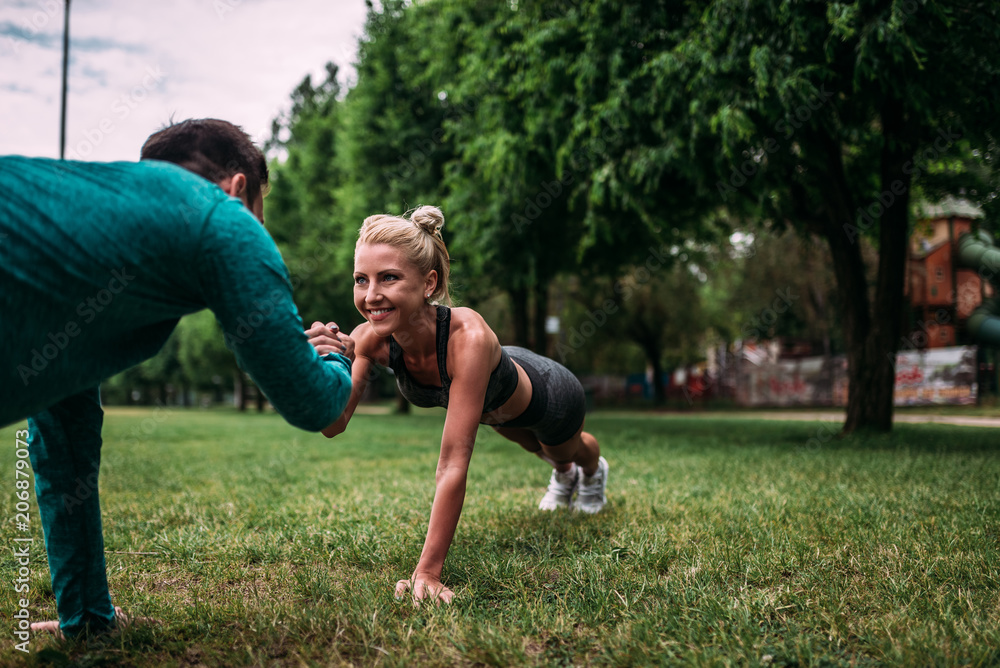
x=583 y=137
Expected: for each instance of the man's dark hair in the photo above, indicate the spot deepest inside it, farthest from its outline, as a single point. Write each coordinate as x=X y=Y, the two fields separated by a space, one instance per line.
x=212 y=149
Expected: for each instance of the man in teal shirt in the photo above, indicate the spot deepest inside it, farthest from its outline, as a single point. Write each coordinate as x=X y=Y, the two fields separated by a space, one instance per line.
x=98 y=262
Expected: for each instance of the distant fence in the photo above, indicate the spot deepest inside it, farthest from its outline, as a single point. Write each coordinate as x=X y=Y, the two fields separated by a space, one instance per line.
x=923 y=377
x=753 y=377
x=937 y=376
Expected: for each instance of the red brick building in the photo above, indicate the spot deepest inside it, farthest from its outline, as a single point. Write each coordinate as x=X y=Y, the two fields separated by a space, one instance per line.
x=942 y=294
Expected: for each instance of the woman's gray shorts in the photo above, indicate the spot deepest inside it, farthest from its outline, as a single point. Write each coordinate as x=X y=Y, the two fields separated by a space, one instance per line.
x=557 y=405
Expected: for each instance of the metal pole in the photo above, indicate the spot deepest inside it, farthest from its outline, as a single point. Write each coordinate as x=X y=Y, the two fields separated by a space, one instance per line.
x=62 y=125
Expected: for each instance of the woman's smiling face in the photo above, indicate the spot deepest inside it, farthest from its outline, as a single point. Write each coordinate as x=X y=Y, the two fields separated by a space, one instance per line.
x=388 y=287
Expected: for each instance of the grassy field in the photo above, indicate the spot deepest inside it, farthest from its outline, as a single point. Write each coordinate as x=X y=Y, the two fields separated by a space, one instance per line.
x=726 y=542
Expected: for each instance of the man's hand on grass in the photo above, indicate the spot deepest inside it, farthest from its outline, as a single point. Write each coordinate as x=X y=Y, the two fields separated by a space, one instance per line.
x=424 y=587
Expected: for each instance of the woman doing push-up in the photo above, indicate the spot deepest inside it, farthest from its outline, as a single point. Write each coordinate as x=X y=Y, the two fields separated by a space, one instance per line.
x=450 y=357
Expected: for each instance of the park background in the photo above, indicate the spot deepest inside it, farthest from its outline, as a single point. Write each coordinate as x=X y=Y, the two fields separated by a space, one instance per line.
x=660 y=196
x=655 y=175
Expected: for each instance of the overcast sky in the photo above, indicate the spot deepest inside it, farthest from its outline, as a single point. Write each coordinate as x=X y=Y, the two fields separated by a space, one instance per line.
x=134 y=65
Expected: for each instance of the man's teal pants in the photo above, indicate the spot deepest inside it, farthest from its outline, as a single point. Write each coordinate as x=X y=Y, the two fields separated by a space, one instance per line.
x=65 y=450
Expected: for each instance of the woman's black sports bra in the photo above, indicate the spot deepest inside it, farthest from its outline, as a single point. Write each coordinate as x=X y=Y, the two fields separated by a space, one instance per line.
x=503 y=380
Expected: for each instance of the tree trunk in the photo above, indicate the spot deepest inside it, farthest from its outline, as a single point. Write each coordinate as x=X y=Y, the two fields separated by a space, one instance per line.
x=659 y=388
x=871 y=342
x=852 y=285
x=541 y=313
x=519 y=314
x=239 y=390
x=260 y=400
x=872 y=408
x=653 y=354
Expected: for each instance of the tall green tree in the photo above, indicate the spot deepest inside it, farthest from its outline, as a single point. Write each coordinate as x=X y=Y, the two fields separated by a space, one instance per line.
x=823 y=116
x=302 y=211
x=564 y=192
x=637 y=184
x=393 y=143
x=516 y=102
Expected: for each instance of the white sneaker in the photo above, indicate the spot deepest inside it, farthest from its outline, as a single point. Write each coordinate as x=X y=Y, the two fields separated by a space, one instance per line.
x=561 y=489
x=591 y=497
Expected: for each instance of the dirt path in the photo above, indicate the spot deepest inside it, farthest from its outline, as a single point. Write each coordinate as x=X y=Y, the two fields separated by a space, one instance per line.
x=835 y=416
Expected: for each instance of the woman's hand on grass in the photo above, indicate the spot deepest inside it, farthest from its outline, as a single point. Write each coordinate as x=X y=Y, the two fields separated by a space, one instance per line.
x=424 y=587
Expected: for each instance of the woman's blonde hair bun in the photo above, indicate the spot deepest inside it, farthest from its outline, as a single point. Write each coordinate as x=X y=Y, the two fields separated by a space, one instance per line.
x=429 y=219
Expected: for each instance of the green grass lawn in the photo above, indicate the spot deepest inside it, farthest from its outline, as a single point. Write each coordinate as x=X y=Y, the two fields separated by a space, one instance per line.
x=734 y=542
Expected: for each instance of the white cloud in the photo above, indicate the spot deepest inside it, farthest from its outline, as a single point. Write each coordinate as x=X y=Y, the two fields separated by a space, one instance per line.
x=135 y=65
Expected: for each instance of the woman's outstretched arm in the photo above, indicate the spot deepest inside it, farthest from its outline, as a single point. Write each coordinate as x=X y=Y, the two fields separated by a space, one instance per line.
x=360 y=374
x=472 y=365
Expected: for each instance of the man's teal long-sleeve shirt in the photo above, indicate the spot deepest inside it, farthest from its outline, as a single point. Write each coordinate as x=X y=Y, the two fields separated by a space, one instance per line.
x=98 y=262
